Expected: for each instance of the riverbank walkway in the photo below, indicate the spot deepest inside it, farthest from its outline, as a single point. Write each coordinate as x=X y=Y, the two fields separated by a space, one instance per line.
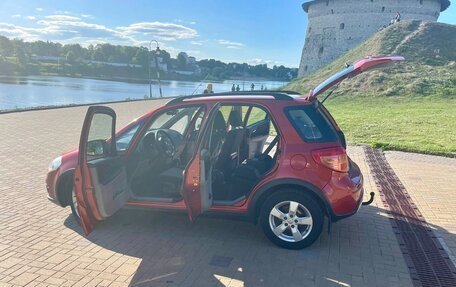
x=41 y=245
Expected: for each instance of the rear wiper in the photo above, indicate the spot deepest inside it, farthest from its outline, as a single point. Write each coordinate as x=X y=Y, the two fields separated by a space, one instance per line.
x=330 y=93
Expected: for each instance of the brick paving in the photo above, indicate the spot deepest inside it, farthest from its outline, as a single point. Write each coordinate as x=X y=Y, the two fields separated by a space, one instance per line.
x=41 y=245
x=433 y=182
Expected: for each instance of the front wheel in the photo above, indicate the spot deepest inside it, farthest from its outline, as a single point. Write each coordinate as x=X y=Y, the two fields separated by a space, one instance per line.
x=291 y=219
x=74 y=207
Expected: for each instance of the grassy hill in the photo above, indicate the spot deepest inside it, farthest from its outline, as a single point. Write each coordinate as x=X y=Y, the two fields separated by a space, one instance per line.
x=411 y=106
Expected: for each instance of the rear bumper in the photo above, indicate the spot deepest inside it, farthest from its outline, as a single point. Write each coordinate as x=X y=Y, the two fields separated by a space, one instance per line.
x=345 y=193
x=336 y=217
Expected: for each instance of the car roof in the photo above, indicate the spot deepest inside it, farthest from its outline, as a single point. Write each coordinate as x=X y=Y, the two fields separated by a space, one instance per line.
x=251 y=95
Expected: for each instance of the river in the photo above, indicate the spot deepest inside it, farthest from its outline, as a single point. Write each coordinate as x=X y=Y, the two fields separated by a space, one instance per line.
x=38 y=91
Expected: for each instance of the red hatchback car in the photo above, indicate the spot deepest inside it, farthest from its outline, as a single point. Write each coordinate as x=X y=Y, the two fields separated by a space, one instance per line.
x=274 y=157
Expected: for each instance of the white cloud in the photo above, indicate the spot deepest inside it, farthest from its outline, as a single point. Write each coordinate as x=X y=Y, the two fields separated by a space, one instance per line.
x=30 y=17
x=87 y=16
x=193 y=52
x=68 y=28
x=39 y=9
x=193 y=23
x=13 y=31
x=75 y=27
x=63 y=12
x=160 y=30
x=16 y=16
x=197 y=43
x=65 y=32
x=60 y=17
x=231 y=44
x=258 y=61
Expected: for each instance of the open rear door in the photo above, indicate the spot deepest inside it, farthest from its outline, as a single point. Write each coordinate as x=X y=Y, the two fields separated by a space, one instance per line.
x=100 y=180
x=197 y=187
x=368 y=63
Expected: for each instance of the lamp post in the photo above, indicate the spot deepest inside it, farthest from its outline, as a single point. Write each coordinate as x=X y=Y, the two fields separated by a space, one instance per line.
x=148 y=62
x=157 y=50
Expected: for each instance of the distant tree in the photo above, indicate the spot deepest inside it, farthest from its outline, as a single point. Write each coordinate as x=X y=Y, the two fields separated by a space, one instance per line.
x=129 y=54
x=107 y=50
x=78 y=52
x=141 y=57
x=6 y=47
x=217 y=72
x=70 y=57
x=19 y=52
x=182 y=60
x=98 y=55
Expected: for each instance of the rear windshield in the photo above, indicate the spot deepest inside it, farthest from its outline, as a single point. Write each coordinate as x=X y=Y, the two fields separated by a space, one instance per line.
x=310 y=124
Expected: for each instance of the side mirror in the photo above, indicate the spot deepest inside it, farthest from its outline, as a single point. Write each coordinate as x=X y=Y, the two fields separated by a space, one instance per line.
x=97 y=148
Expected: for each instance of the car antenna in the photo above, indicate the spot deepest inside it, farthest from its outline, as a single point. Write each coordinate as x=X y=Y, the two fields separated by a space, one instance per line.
x=329 y=94
x=201 y=83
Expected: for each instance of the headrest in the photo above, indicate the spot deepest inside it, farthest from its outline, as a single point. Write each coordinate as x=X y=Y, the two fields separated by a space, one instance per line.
x=235 y=118
x=219 y=122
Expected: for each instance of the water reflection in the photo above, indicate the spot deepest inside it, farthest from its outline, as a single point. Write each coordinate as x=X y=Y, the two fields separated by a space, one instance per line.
x=35 y=91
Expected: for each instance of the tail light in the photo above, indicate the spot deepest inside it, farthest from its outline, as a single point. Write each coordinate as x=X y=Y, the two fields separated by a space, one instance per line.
x=333 y=158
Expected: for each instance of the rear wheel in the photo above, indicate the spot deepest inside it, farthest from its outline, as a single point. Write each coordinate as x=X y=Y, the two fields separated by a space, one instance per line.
x=74 y=207
x=291 y=219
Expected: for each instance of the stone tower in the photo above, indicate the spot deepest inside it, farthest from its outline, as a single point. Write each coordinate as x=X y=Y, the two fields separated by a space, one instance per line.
x=335 y=26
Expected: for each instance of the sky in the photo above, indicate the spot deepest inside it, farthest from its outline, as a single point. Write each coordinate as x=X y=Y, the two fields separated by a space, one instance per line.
x=267 y=31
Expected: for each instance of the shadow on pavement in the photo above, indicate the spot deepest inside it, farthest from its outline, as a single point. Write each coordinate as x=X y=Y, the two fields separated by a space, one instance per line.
x=218 y=252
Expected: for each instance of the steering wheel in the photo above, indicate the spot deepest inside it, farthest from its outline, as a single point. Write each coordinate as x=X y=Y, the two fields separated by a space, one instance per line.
x=165 y=143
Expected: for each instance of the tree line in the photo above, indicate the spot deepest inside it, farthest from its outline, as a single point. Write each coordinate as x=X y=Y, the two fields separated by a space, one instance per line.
x=50 y=58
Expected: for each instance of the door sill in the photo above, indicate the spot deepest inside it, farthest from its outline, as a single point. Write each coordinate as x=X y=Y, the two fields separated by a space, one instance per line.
x=228 y=202
x=156 y=199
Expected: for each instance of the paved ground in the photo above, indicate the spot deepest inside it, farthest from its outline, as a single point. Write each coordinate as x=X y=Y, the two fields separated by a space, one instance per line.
x=41 y=245
x=432 y=182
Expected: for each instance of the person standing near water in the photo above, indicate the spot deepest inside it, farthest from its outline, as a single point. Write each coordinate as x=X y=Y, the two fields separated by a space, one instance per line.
x=233 y=88
x=208 y=89
x=252 y=87
x=238 y=88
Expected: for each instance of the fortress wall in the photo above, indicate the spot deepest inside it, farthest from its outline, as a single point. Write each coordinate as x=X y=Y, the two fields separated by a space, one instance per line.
x=336 y=26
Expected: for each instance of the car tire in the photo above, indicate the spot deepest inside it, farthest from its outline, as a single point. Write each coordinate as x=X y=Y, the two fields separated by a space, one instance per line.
x=291 y=219
x=74 y=210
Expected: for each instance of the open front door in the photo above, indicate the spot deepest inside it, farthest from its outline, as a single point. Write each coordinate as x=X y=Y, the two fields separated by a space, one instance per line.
x=100 y=180
x=197 y=187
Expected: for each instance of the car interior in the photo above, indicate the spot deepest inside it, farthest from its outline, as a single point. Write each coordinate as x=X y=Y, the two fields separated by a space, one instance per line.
x=237 y=150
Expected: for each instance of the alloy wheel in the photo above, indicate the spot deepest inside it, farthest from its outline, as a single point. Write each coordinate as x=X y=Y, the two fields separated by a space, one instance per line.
x=290 y=221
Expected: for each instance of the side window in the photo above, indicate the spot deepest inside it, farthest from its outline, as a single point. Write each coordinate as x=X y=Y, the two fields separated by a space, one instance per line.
x=262 y=135
x=100 y=130
x=306 y=127
x=310 y=124
x=256 y=115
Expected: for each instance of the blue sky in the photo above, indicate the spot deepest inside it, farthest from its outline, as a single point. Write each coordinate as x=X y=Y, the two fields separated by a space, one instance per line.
x=267 y=31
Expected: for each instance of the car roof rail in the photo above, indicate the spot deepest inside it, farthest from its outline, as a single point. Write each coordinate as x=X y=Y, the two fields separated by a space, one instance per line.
x=278 y=95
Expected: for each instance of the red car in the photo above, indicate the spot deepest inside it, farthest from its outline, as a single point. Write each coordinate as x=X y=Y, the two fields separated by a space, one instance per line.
x=274 y=157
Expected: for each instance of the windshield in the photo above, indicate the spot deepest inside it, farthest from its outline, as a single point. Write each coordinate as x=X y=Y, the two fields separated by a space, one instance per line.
x=123 y=140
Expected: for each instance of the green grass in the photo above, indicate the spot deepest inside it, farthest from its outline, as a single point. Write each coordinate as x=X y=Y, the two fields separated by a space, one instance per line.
x=415 y=124
x=409 y=107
